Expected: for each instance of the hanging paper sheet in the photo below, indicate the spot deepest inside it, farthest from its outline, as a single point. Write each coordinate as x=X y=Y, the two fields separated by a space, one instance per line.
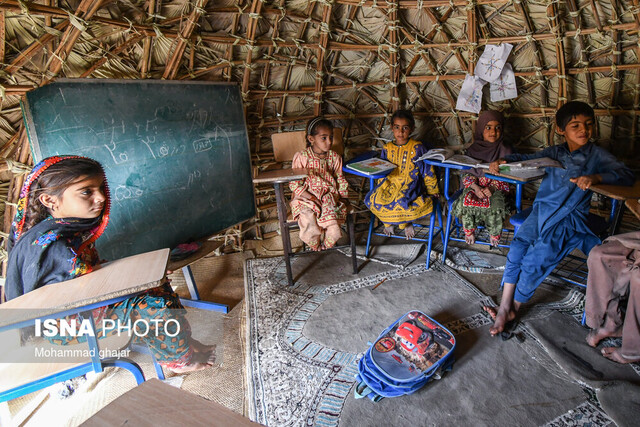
x=492 y=61
x=505 y=86
x=470 y=96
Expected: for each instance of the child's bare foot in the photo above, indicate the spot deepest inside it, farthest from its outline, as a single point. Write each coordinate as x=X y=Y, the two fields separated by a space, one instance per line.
x=409 y=232
x=191 y=367
x=596 y=335
x=199 y=347
x=470 y=239
x=490 y=310
x=388 y=230
x=615 y=354
x=502 y=317
x=494 y=241
x=206 y=357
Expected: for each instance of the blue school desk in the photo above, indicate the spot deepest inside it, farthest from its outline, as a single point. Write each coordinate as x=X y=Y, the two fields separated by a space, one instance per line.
x=452 y=228
x=184 y=265
x=423 y=233
x=115 y=282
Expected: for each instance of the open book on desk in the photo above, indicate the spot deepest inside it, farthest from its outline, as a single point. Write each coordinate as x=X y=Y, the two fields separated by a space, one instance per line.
x=446 y=155
x=372 y=166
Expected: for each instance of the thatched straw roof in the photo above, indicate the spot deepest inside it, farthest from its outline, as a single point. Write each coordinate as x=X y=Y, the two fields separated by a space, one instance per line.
x=353 y=60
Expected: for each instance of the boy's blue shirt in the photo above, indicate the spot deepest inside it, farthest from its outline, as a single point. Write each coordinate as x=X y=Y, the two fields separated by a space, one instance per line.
x=559 y=197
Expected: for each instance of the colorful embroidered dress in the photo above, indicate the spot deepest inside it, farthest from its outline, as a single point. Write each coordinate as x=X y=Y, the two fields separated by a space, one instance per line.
x=326 y=182
x=59 y=249
x=401 y=197
x=489 y=210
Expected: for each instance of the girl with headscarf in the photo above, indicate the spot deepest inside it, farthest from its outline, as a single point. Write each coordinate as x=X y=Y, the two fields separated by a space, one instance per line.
x=483 y=199
x=63 y=208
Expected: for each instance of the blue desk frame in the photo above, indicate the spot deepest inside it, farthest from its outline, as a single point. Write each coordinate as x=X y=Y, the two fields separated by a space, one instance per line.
x=432 y=227
x=450 y=198
x=95 y=365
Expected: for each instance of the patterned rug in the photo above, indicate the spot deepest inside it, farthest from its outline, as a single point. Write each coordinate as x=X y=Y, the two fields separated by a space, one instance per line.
x=303 y=343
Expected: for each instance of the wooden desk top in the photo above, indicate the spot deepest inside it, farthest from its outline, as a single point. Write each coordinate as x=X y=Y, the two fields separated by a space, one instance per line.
x=154 y=403
x=126 y=276
x=280 y=175
x=207 y=247
x=633 y=206
x=618 y=192
x=523 y=175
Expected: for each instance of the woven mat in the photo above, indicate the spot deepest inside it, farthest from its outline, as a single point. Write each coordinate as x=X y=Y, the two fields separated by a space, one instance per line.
x=304 y=341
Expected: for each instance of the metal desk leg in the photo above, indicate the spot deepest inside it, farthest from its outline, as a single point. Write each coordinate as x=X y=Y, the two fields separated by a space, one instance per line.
x=195 y=301
x=616 y=216
x=519 y=197
x=284 y=229
x=371 y=222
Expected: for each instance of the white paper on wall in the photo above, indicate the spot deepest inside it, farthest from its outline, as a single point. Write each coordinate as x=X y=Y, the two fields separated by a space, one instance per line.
x=505 y=86
x=470 y=96
x=492 y=61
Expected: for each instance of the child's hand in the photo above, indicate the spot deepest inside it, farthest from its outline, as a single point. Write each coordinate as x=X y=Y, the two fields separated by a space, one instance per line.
x=586 y=181
x=480 y=192
x=305 y=195
x=494 y=167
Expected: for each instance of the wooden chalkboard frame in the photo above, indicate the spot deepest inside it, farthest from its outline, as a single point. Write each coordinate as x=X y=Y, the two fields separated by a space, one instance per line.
x=38 y=153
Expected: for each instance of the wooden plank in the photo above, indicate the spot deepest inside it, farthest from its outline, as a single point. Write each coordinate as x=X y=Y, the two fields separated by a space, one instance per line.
x=633 y=206
x=126 y=276
x=280 y=175
x=618 y=192
x=154 y=403
x=207 y=247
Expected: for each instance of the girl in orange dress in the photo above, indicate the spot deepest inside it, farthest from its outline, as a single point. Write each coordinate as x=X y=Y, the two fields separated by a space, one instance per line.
x=319 y=201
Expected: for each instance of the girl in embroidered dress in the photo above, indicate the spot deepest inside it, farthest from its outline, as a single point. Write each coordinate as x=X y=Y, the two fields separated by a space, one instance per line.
x=403 y=196
x=63 y=209
x=483 y=199
x=319 y=201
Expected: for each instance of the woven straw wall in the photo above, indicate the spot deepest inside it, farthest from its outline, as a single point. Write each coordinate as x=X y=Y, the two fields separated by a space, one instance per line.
x=353 y=61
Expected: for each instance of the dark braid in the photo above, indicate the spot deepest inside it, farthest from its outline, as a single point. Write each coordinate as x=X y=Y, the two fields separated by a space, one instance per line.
x=53 y=182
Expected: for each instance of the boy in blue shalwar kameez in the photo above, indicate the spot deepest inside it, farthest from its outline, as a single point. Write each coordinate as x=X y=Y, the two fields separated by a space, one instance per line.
x=558 y=222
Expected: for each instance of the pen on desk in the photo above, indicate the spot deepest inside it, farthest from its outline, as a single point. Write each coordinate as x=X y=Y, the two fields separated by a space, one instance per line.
x=380 y=283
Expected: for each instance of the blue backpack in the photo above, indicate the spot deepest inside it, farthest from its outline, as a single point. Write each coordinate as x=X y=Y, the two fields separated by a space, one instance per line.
x=409 y=353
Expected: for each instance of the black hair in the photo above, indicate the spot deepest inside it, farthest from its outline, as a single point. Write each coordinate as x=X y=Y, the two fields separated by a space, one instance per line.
x=404 y=114
x=570 y=110
x=53 y=181
x=317 y=122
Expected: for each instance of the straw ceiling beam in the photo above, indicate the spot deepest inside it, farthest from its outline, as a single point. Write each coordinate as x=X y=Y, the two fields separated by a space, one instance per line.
x=548 y=112
x=321 y=56
x=215 y=38
x=2 y=36
x=111 y=54
x=584 y=58
x=85 y=11
x=394 y=58
x=173 y=62
x=34 y=48
x=616 y=53
x=554 y=26
x=426 y=57
x=296 y=51
x=147 y=44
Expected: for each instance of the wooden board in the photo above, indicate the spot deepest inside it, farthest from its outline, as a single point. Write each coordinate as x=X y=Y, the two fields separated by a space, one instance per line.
x=154 y=403
x=618 y=192
x=280 y=175
x=633 y=206
x=176 y=154
x=125 y=276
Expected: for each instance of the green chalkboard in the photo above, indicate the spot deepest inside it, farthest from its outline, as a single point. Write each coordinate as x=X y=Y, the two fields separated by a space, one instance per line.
x=176 y=154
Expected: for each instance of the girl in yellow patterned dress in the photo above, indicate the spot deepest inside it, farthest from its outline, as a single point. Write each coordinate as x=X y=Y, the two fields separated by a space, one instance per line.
x=319 y=201
x=403 y=196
